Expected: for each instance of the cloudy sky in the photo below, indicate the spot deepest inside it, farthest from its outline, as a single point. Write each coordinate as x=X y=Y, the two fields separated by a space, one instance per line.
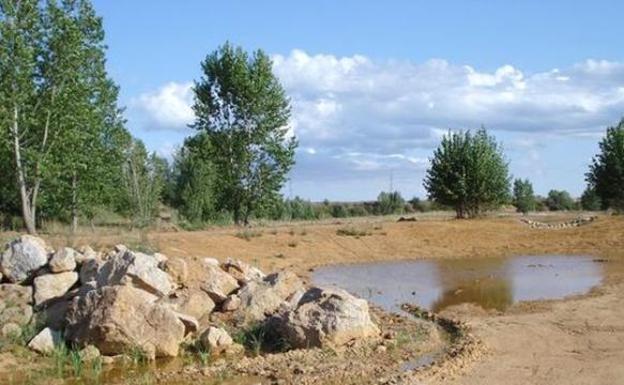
x=374 y=85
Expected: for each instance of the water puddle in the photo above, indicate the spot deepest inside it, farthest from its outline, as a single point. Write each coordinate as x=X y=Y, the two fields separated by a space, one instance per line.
x=492 y=283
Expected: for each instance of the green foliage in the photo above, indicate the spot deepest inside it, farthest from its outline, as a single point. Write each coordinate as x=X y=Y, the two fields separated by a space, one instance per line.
x=260 y=337
x=606 y=173
x=559 y=200
x=352 y=231
x=590 y=201
x=469 y=173
x=248 y=234
x=242 y=108
x=390 y=203
x=523 y=197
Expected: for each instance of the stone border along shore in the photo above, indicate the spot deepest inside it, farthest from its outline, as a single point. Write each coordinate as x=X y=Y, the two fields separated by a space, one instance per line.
x=561 y=225
x=465 y=349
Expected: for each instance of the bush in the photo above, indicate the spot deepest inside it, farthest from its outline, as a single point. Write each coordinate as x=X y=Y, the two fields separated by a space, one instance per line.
x=559 y=201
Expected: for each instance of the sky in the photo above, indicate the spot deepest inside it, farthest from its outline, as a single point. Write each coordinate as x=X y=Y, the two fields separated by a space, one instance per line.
x=375 y=85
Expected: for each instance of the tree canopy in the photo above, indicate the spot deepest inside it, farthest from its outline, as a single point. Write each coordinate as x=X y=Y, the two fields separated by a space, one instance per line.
x=606 y=173
x=523 y=197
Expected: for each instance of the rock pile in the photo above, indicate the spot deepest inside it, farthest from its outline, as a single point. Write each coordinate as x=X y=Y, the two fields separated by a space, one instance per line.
x=580 y=221
x=122 y=300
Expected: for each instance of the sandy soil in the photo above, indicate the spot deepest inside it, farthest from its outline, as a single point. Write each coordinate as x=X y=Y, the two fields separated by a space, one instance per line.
x=575 y=341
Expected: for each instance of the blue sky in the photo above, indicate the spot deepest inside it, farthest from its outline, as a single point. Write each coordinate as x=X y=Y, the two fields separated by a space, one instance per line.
x=375 y=84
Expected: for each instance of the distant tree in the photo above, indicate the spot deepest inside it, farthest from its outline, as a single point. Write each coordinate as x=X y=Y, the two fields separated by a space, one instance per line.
x=523 y=197
x=195 y=180
x=560 y=200
x=390 y=203
x=606 y=173
x=469 y=173
x=590 y=201
x=339 y=210
x=244 y=111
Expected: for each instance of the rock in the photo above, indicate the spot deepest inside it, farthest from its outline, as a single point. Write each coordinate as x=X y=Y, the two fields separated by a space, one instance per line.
x=260 y=299
x=232 y=303
x=177 y=269
x=327 y=316
x=160 y=258
x=11 y=330
x=53 y=314
x=46 y=341
x=215 y=340
x=15 y=304
x=64 y=259
x=242 y=271
x=85 y=252
x=235 y=350
x=210 y=261
x=89 y=353
x=217 y=283
x=190 y=323
x=136 y=269
x=193 y=302
x=51 y=286
x=89 y=270
x=22 y=258
x=117 y=319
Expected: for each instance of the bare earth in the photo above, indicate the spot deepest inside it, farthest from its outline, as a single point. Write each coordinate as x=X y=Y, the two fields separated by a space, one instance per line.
x=575 y=341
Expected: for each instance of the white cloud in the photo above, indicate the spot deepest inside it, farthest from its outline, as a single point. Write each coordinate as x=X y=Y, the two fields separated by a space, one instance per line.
x=169 y=107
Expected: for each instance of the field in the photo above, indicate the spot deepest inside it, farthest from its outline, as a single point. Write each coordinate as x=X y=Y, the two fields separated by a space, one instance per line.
x=573 y=341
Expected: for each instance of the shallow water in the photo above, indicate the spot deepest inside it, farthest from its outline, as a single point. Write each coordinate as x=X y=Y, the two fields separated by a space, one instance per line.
x=493 y=283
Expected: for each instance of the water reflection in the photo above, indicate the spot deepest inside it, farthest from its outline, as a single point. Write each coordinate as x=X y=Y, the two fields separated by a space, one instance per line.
x=493 y=283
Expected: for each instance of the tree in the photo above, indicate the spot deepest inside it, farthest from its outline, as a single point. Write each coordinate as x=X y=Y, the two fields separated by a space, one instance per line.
x=590 y=201
x=195 y=180
x=390 y=203
x=244 y=111
x=469 y=173
x=606 y=173
x=523 y=197
x=559 y=200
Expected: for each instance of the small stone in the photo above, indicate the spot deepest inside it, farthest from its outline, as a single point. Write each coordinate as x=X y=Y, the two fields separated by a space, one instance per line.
x=232 y=303
x=11 y=330
x=177 y=269
x=63 y=260
x=51 y=286
x=46 y=341
x=89 y=353
x=216 y=340
x=381 y=349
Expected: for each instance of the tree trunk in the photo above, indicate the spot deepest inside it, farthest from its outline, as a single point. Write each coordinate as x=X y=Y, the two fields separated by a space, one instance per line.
x=74 y=204
x=27 y=209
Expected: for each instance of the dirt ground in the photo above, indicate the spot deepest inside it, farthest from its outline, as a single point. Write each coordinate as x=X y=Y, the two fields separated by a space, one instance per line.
x=574 y=341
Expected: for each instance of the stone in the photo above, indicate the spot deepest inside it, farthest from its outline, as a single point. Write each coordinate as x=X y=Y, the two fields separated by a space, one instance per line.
x=46 y=341
x=62 y=260
x=11 y=330
x=53 y=314
x=217 y=283
x=193 y=302
x=216 y=340
x=177 y=269
x=89 y=270
x=136 y=269
x=160 y=258
x=89 y=353
x=242 y=272
x=117 y=319
x=191 y=325
x=85 y=252
x=22 y=258
x=260 y=299
x=51 y=286
x=232 y=303
x=15 y=304
x=327 y=317
x=208 y=261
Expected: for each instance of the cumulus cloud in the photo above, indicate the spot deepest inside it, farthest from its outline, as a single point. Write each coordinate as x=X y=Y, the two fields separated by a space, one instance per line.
x=356 y=117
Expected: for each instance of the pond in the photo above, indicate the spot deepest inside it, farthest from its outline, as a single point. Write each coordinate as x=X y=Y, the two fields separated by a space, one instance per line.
x=492 y=283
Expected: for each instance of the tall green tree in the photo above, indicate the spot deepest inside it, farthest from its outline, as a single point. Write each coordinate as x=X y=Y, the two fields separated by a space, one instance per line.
x=390 y=203
x=590 y=201
x=606 y=173
x=523 y=197
x=243 y=109
x=468 y=172
x=560 y=200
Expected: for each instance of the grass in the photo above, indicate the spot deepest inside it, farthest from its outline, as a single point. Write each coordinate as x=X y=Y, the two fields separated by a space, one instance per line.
x=352 y=231
x=248 y=234
x=259 y=338
x=137 y=355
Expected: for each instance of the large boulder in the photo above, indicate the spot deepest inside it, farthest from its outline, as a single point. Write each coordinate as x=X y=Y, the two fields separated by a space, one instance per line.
x=215 y=340
x=177 y=269
x=22 y=258
x=46 y=341
x=217 y=283
x=15 y=304
x=136 y=269
x=64 y=259
x=193 y=302
x=327 y=316
x=118 y=319
x=260 y=299
x=89 y=269
x=242 y=272
x=52 y=286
